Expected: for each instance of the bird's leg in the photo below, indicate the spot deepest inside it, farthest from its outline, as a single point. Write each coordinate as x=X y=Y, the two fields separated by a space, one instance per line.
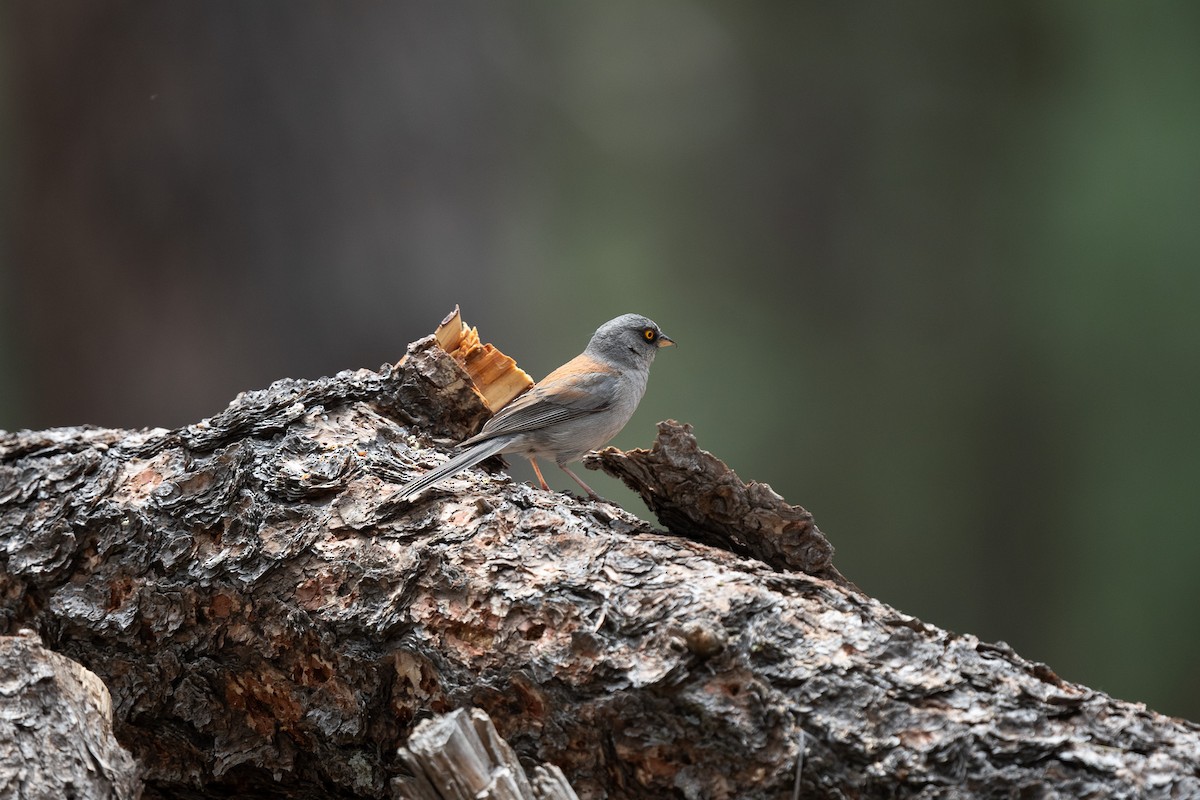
x=575 y=478
x=538 y=472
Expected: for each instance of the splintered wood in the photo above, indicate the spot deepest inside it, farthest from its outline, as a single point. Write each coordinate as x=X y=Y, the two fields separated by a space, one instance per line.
x=496 y=376
x=460 y=756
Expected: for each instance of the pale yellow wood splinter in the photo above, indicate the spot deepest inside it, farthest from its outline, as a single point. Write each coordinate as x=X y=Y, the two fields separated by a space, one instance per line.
x=497 y=377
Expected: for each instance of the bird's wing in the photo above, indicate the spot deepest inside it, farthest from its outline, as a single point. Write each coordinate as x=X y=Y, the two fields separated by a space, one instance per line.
x=565 y=394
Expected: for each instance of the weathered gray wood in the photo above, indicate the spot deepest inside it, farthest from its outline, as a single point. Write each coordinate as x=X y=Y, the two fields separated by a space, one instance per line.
x=56 y=738
x=460 y=756
x=271 y=621
x=549 y=783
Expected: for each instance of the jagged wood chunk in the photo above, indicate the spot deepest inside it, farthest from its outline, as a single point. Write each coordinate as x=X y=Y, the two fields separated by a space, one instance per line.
x=495 y=376
x=695 y=494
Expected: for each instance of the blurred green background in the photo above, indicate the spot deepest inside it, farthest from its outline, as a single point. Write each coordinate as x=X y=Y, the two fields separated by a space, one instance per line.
x=934 y=267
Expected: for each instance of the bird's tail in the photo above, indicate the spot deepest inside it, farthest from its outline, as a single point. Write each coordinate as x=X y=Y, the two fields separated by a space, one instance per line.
x=465 y=459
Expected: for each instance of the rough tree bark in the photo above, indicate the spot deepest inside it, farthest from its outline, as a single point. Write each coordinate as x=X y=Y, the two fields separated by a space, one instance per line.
x=271 y=621
x=56 y=738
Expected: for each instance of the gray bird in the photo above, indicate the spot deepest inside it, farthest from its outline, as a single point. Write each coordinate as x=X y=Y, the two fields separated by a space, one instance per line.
x=576 y=408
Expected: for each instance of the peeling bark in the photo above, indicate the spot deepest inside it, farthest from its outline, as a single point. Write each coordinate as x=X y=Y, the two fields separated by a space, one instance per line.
x=272 y=621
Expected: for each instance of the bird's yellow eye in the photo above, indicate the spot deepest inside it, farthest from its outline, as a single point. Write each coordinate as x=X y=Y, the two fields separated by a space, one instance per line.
x=650 y=334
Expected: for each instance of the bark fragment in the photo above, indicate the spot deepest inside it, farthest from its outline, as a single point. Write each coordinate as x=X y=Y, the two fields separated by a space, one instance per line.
x=696 y=495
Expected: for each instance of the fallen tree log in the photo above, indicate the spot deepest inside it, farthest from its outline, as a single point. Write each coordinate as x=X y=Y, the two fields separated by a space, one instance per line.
x=272 y=621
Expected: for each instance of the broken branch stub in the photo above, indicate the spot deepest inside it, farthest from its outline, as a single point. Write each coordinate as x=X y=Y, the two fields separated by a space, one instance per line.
x=461 y=756
x=496 y=377
x=696 y=495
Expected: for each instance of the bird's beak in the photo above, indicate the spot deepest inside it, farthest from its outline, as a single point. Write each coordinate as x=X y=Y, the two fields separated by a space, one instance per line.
x=665 y=341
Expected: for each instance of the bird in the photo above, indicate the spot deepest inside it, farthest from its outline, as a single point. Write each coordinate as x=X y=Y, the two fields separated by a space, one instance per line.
x=576 y=408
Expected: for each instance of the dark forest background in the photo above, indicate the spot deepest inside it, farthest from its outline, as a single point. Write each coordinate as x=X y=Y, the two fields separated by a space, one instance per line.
x=934 y=267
